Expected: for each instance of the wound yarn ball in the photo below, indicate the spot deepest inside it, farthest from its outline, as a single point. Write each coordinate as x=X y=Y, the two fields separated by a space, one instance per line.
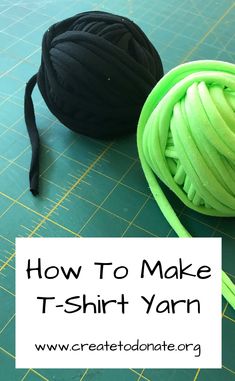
x=186 y=138
x=96 y=71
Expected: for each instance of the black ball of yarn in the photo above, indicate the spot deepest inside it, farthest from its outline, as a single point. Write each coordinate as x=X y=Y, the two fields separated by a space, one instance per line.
x=96 y=72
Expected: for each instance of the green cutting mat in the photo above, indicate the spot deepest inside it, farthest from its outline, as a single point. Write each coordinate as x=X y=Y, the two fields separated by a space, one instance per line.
x=92 y=188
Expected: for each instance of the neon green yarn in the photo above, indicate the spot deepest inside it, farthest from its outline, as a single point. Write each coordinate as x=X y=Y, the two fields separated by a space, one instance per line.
x=186 y=138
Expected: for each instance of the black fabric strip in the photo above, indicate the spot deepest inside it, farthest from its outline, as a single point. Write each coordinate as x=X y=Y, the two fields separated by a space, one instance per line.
x=33 y=135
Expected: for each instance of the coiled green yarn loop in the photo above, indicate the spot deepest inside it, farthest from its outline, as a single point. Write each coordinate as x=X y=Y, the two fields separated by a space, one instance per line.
x=186 y=138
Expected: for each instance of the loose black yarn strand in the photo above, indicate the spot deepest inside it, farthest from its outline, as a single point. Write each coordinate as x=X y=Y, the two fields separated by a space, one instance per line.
x=33 y=135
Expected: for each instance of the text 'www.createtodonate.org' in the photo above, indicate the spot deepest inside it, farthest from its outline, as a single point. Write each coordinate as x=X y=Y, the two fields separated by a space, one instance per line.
x=120 y=346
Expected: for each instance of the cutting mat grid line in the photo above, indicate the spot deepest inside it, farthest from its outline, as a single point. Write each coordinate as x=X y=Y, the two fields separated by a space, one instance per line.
x=102 y=190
